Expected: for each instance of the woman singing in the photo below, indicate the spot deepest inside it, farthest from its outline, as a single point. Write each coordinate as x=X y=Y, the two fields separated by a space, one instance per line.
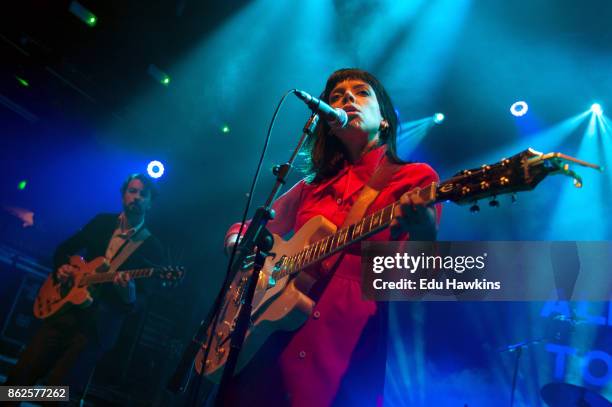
x=338 y=356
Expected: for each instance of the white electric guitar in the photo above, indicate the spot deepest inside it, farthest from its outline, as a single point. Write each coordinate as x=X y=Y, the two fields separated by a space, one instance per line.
x=281 y=300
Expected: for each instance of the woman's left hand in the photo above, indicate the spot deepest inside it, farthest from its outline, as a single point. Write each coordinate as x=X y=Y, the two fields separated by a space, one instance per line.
x=415 y=217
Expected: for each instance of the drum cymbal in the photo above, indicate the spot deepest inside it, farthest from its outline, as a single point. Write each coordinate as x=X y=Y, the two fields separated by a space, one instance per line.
x=569 y=395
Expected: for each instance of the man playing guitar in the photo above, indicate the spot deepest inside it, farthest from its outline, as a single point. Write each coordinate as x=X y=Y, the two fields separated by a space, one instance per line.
x=70 y=342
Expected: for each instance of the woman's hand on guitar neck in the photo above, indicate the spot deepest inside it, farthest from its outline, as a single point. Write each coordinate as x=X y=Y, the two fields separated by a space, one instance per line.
x=414 y=216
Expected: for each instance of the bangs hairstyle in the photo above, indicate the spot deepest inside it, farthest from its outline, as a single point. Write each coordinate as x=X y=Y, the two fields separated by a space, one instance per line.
x=324 y=153
x=147 y=182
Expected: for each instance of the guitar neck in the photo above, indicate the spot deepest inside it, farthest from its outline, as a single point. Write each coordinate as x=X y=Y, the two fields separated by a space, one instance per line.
x=99 y=278
x=521 y=172
x=346 y=236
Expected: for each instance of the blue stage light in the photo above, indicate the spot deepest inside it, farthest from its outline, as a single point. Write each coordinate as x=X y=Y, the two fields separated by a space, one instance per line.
x=596 y=109
x=438 y=118
x=155 y=169
x=519 y=108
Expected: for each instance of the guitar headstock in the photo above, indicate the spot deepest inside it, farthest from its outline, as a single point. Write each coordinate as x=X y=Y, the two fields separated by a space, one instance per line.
x=521 y=172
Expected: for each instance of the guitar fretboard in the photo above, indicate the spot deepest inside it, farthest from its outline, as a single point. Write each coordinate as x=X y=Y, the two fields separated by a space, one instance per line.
x=344 y=237
x=98 y=278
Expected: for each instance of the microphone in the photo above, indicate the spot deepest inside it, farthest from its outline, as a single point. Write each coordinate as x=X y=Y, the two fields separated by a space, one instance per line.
x=335 y=117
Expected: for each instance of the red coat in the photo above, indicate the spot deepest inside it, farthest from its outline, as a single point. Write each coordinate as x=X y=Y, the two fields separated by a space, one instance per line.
x=338 y=355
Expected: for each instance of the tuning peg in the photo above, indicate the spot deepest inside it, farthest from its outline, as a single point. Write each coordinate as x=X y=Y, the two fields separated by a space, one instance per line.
x=513 y=198
x=475 y=208
x=494 y=203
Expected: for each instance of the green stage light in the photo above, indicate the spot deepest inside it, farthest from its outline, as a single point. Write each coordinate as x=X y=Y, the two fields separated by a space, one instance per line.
x=225 y=129
x=159 y=75
x=22 y=81
x=83 y=14
x=22 y=184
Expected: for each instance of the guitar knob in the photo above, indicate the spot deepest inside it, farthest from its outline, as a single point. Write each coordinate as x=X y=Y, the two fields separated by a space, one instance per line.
x=494 y=203
x=475 y=208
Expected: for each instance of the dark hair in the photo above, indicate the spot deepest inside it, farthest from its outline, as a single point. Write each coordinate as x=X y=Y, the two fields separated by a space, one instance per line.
x=325 y=154
x=148 y=183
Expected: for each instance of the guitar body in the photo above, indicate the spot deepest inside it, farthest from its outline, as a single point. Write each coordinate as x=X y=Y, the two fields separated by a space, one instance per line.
x=277 y=305
x=53 y=296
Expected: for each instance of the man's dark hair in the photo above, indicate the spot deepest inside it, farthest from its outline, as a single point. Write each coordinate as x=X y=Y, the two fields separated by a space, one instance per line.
x=324 y=153
x=148 y=183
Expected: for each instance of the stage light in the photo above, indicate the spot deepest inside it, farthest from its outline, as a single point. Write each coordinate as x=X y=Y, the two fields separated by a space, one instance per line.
x=519 y=108
x=159 y=75
x=22 y=184
x=225 y=129
x=596 y=109
x=83 y=14
x=155 y=169
x=22 y=81
x=438 y=118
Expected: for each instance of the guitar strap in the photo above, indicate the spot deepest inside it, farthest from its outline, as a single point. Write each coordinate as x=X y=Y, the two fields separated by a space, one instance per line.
x=128 y=248
x=378 y=180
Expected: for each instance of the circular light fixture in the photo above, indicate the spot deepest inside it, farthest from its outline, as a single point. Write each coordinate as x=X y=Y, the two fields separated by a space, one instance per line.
x=155 y=169
x=519 y=108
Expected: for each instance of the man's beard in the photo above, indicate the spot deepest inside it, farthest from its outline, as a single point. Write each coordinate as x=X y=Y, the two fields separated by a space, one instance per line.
x=133 y=209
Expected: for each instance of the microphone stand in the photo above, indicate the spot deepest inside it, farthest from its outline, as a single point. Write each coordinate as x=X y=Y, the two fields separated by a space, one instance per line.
x=259 y=238
x=518 y=348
